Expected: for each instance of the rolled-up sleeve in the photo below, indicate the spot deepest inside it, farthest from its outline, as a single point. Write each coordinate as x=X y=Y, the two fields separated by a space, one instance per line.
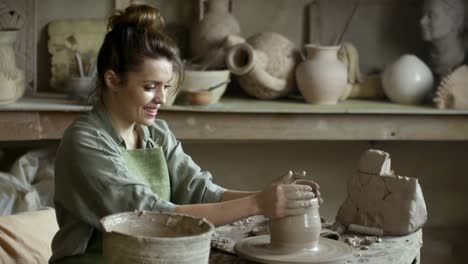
x=95 y=182
x=189 y=184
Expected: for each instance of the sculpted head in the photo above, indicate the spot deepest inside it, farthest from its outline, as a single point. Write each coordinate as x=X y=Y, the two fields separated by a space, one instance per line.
x=441 y=18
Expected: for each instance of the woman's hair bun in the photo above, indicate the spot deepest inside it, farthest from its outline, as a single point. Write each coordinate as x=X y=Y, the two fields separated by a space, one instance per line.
x=137 y=15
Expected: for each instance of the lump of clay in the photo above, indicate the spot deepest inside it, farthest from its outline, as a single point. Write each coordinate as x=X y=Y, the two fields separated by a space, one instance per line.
x=377 y=198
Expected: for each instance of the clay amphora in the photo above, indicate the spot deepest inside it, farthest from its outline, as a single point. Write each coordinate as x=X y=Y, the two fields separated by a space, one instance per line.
x=210 y=32
x=265 y=65
x=300 y=232
x=321 y=78
x=12 y=79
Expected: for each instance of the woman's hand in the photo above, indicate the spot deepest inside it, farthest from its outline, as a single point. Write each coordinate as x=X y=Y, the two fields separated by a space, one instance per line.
x=282 y=198
x=297 y=178
x=289 y=177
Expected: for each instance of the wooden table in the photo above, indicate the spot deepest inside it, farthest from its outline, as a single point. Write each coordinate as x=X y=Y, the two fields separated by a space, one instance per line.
x=392 y=250
x=249 y=119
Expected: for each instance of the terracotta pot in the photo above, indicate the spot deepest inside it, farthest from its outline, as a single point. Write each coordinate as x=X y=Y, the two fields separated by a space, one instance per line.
x=322 y=78
x=210 y=32
x=198 y=97
x=12 y=79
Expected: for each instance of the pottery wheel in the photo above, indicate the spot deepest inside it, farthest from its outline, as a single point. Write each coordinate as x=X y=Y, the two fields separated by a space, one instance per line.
x=258 y=249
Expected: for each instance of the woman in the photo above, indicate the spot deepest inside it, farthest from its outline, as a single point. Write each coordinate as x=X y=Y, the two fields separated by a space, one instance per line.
x=120 y=158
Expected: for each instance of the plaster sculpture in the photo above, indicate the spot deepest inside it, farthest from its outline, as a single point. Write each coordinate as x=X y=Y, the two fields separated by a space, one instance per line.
x=12 y=79
x=295 y=239
x=265 y=65
x=379 y=199
x=209 y=33
x=322 y=78
x=407 y=80
x=155 y=238
x=442 y=26
x=452 y=92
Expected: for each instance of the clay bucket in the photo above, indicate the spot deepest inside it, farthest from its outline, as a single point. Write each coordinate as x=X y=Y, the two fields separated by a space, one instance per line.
x=151 y=237
x=300 y=232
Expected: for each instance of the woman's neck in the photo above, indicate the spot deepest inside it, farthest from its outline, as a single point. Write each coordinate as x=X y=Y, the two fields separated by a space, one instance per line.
x=123 y=128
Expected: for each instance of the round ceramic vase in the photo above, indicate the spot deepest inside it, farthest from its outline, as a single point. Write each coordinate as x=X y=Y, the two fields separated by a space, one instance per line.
x=321 y=78
x=408 y=80
x=213 y=26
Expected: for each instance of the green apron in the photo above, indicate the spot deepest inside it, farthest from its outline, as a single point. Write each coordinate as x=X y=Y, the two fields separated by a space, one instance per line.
x=151 y=167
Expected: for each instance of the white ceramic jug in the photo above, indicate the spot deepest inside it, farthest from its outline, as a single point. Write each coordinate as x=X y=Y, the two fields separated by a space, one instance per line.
x=321 y=78
x=12 y=79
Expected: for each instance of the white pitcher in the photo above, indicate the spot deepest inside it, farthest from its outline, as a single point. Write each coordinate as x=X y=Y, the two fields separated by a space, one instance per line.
x=321 y=78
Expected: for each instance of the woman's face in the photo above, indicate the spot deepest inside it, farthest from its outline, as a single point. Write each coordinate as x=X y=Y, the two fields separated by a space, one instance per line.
x=436 y=22
x=144 y=91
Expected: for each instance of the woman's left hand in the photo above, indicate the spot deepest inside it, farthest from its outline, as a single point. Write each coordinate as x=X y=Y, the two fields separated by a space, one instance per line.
x=290 y=177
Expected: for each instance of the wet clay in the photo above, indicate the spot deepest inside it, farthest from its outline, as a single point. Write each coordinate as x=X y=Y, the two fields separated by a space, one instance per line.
x=151 y=237
x=379 y=199
x=294 y=239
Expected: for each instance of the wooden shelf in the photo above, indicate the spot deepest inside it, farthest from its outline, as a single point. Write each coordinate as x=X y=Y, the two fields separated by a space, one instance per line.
x=249 y=119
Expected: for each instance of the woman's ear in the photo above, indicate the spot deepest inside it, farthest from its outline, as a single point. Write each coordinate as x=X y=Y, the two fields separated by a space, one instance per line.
x=111 y=79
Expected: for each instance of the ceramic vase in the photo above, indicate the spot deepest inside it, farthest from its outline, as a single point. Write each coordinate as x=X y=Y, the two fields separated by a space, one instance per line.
x=408 y=80
x=12 y=79
x=265 y=65
x=209 y=33
x=321 y=78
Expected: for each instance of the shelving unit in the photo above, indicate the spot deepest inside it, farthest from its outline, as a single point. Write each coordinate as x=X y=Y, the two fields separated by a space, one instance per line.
x=249 y=119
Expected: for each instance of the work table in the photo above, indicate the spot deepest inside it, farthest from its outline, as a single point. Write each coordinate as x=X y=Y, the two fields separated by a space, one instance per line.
x=38 y=118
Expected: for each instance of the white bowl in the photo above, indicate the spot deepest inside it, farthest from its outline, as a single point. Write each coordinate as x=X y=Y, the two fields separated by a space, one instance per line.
x=204 y=80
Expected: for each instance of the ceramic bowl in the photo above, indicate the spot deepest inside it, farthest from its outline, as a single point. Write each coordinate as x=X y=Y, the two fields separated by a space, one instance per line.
x=156 y=238
x=198 y=97
x=408 y=80
x=204 y=80
x=80 y=87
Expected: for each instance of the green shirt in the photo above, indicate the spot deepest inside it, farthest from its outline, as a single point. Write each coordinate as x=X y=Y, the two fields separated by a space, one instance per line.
x=92 y=179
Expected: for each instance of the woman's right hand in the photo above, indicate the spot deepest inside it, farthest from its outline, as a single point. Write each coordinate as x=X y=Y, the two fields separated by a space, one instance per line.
x=278 y=200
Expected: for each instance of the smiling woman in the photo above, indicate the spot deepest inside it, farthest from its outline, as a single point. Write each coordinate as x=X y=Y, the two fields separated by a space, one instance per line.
x=120 y=158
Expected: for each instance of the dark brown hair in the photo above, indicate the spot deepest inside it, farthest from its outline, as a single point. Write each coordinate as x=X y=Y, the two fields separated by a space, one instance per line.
x=134 y=34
